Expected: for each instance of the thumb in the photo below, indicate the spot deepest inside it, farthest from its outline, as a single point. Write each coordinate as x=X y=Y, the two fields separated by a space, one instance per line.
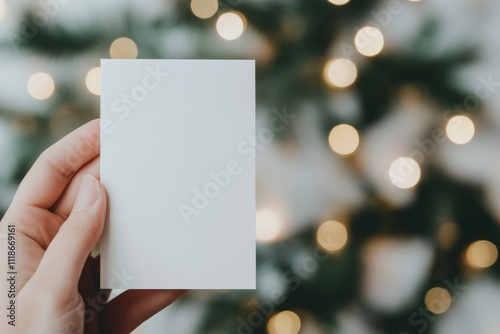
x=65 y=257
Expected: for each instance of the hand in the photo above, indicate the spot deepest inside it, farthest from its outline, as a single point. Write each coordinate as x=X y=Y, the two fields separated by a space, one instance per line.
x=59 y=212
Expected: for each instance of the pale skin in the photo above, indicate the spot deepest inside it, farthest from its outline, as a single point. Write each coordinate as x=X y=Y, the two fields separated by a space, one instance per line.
x=59 y=212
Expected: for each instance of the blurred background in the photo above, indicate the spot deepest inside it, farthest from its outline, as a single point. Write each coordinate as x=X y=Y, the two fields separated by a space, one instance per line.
x=378 y=196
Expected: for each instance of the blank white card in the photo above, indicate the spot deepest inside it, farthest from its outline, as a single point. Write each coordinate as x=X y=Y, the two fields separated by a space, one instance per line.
x=178 y=164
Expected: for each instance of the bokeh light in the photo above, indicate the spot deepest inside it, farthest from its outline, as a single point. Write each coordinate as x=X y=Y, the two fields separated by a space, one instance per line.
x=332 y=236
x=93 y=81
x=460 y=129
x=438 y=300
x=338 y=2
x=343 y=139
x=204 y=9
x=230 y=25
x=286 y=322
x=481 y=254
x=404 y=173
x=369 y=41
x=123 y=48
x=40 y=86
x=269 y=225
x=340 y=72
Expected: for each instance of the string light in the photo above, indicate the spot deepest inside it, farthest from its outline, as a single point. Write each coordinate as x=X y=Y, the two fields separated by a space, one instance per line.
x=123 y=48
x=40 y=86
x=269 y=226
x=481 y=254
x=340 y=73
x=338 y=2
x=404 y=173
x=438 y=300
x=460 y=129
x=332 y=236
x=343 y=139
x=204 y=9
x=369 y=41
x=231 y=25
x=286 y=322
x=93 y=81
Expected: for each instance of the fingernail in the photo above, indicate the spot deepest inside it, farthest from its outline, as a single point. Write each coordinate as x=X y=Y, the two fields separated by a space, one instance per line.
x=88 y=193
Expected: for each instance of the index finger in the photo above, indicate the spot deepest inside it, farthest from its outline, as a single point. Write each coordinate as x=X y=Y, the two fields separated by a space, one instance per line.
x=54 y=168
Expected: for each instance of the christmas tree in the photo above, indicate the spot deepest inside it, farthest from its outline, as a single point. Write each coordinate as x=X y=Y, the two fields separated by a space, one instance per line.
x=358 y=194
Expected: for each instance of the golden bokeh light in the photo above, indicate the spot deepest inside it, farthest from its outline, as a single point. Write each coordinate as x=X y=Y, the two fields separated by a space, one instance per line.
x=269 y=226
x=332 y=236
x=231 y=25
x=481 y=254
x=41 y=86
x=460 y=129
x=93 y=81
x=343 y=139
x=338 y=2
x=340 y=73
x=286 y=322
x=369 y=41
x=438 y=300
x=204 y=9
x=404 y=173
x=123 y=48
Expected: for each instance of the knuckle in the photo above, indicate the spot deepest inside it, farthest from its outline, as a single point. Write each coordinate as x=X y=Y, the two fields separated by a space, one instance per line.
x=60 y=169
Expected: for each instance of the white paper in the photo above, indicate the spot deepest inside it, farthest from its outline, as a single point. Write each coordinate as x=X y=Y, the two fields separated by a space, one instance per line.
x=170 y=130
